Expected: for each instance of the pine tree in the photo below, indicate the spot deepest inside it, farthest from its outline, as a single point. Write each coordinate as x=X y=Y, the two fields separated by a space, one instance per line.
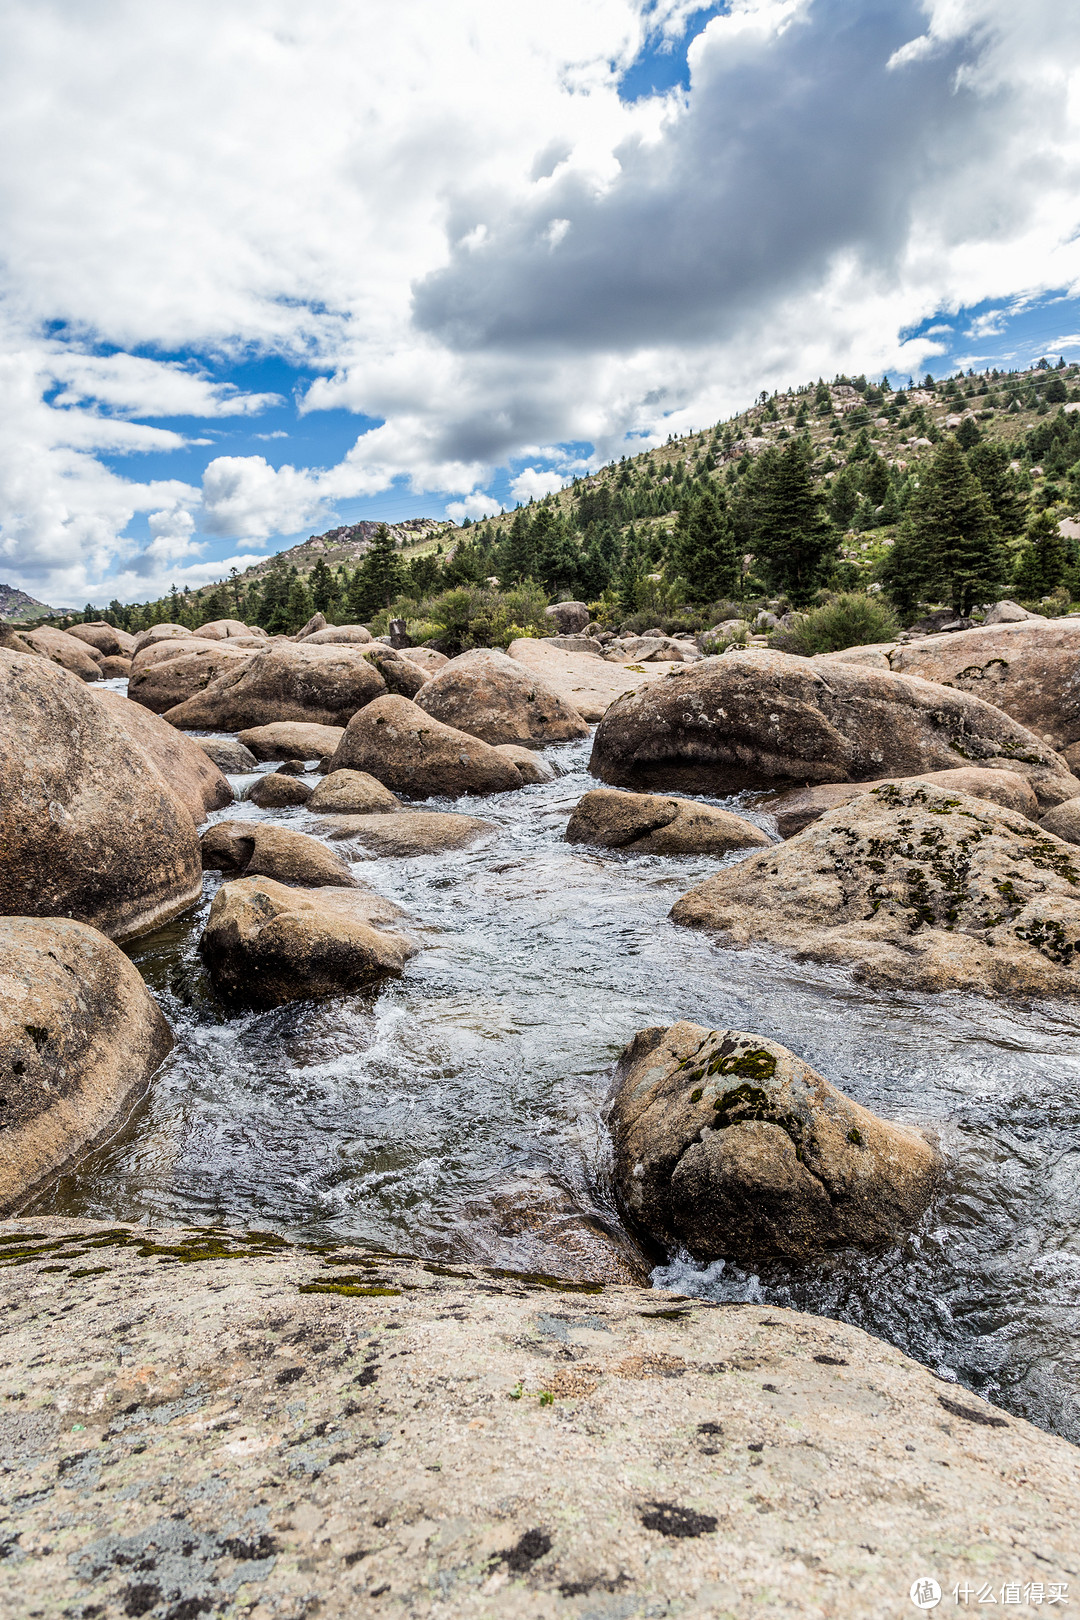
x=516 y=557
x=323 y=591
x=792 y=536
x=273 y=612
x=875 y=480
x=992 y=465
x=950 y=550
x=299 y=607
x=378 y=579
x=1041 y=563
x=556 y=553
x=703 y=551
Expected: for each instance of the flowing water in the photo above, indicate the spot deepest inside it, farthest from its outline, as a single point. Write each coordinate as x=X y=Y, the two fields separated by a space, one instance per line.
x=392 y=1118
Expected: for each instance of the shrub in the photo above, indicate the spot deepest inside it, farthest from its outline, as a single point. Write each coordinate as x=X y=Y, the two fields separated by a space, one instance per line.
x=478 y=616
x=852 y=620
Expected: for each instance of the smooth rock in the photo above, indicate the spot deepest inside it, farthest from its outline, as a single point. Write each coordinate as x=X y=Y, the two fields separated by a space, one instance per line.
x=106 y=640
x=1063 y=821
x=80 y=1034
x=178 y=760
x=316 y=623
x=797 y=810
x=277 y=790
x=162 y=685
x=227 y=753
x=160 y=652
x=338 y=634
x=532 y=767
x=408 y=832
x=570 y=617
x=260 y=848
x=352 y=793
x=729 y=1145
x=265 y=944
x=581 y=644
x=756 y=718
x=912 y=888
x=651 y=824
x=588 y=684
x=114 y=669
x=223 y=630
x=88 y=826
x=631 y=1490
x=291 y=739
x=1006 y=612
x=321 y=686
x=160 y=632
x=426 y=658
x=60 y=648
x=401 y=674
x=538 y=1226
x=412 y=753
x=498 y=700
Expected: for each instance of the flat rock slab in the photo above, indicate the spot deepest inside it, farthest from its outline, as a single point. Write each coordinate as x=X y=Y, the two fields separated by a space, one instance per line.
x=796 y=810
x=407 y=832
x=265 y=1430
x=591 y=684
x=291 y=739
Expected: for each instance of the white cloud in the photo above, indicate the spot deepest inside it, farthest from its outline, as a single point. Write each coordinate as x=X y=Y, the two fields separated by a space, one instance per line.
x=532 y=483
x=476 y=505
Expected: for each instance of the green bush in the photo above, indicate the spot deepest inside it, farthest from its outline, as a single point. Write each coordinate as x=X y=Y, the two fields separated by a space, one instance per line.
x=474 y=616
x=852 y=620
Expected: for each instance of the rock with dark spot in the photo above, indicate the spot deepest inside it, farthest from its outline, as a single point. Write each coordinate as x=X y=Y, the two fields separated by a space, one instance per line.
x=730 y=1145
x=680 y=1522
x=650 y=824
x=260 y=847
x=758 y=718
x=497 y=699
x=80 y=1034
x=797 y=809
x=319 y=685
x=277 y=790
x=228 y=754
x=413 y=754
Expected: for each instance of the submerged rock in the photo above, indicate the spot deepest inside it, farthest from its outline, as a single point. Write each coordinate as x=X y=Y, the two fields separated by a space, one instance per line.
x=89 y=827
x=291 y=739
x=500 y=701
x=179 y=760
x=798 y=809
x=408 y=832
x=322 y=686
x=757 y=718
x=730 y=1145
x=412 y=753
x=80 y=1034
x=650 y=824
x=911 y=887
x=539 y=1226
x=261 y=847
x=265 y=944
x=352 y=793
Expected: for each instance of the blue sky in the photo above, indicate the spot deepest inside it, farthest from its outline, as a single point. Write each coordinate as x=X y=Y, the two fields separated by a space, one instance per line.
x=250 y=289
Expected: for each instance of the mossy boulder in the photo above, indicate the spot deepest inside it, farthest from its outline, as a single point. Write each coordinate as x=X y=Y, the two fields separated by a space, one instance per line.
x=731 y=1146
x=911 y=887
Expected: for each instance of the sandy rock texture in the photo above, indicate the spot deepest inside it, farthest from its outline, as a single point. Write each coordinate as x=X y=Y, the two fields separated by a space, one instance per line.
x=408 y=832
x=911 y=887
x=110 y=643
x=233 y=1423
x=755 y=718
x=499 y=700
x=265 y=944
x=651 y=824
x=89 y=828
x=531 y=767
x=729 y=1145
x=80 y=1035
x=588 y=683
x=338 y=635
x=226 y=630
x=160 y=652
x=426 y=658
x=291 y=739
x=352 y=793
x=401 y=674
x=165 y=682
x=277 y=791
x=323 y=686
x=160 y=632
x=1063 y=821
x=263 y=848
x=408 y=751
x=186 y=767
x=60 y=648
x=796 y=810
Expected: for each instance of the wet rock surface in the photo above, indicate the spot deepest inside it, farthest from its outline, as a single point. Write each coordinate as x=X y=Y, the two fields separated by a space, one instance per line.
x=322 y=686
x=277 y=790
x=260 y=848
x=291 y=739
x=80 y=1035
x=408 y=832
x=730 y=1145
x=495 y=698
x=266 y=944
x=228 y=754
x=352 y=793
x=911 y=886
x=651 y=824
x=408 y=751
x=226 y=1421
x=756 y=718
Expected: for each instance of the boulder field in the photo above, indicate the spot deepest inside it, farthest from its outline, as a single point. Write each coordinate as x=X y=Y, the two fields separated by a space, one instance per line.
x=411 y=753
x=80 y=1035
x=262 y=848
x=756 y=718
x=162 y=683
x=734 y=1148
x=320 y=685
x=651 y=824
x=89 y=826
x=79 y=657
x=106 y=640
x=209 y=1424
x=497 y=699
x=912 y=888
x=266 y=944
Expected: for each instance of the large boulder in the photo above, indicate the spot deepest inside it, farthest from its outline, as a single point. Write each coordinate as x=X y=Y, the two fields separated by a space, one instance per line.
x=60 y=648
x=1006 y=612
x=191 y=774
x=115 y=669
x=729 y=1145
x=259 y=848
x=497 y=699
x=401 y=674
x=408 y=832
x=757 y=718
x=324 y=686
x=569 y=617
x=911 y=887
x=338 y=635
x=228 y=754
x=651 y=824
x=795 y=810
x=426 y=658
x=164 y=684
x=224 y=630
x=590 y=685
x=79 y=1035
x=1063 y=821
x=106 y=640
x=89 y=828
x=352 y=793
x=411 y=753
x=291 y=739
x=1030 y=669
x=265 y=944
x=160 y=652
x=160 y=632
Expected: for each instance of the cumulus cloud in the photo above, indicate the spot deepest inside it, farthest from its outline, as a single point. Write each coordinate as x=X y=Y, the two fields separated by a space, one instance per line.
x=475 y=505
x=532 y=483
x=480 y=246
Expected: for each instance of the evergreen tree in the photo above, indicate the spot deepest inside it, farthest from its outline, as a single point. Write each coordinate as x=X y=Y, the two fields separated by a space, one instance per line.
x=968 y=435
x=703 y=551
x=792 y=537
x=323 y=588
x=557 y=555
x=992 y=465
x=299 y=606
x=844 y=498
x=875 y=480
x=1041 y=563
x=378 y=579
x=273 y=607
x=516 y=557
x=950 y=549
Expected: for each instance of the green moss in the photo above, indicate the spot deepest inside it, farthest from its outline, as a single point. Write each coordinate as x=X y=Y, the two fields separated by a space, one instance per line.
x=696 y=1095
x=352 y=1287
x=754 y=1065
x=855 y=1137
